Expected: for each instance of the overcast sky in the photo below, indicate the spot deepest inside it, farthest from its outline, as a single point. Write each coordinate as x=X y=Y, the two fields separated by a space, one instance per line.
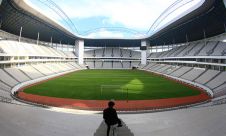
x=137 y=15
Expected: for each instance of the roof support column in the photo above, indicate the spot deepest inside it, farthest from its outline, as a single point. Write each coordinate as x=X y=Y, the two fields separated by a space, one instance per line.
x=224 y=26
x=21 y=29
x=51 y=41
x=38 y=39
x=143 y=49
x=79 y=49
x=204 y=35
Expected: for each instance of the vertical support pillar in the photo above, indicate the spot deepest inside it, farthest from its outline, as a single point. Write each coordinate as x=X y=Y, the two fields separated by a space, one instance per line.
x=67 y=46
x=187 y=38
x=224 y=26
x=143 y=49
x=51 y=41
x=204 y=35
x=21 y=29
x=74 y=47
x=156 y=48
x=38 y=38
x=79 y=49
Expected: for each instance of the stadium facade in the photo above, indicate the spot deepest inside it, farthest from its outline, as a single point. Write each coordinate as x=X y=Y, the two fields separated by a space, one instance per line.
x=191 y=49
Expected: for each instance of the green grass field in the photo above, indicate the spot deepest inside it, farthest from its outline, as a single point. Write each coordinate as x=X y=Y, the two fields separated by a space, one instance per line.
x=86 y=84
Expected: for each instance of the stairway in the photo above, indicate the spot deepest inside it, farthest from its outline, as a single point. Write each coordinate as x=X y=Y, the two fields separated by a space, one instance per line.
x=121 y=131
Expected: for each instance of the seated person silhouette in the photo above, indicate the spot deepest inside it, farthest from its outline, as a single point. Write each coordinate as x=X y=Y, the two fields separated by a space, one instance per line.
x=110 y=117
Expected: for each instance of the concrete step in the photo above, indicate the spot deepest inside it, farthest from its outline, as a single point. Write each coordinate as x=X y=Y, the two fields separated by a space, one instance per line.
x=121 y=131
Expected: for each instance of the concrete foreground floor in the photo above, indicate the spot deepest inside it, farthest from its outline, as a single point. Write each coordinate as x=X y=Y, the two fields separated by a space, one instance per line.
x=19 y=120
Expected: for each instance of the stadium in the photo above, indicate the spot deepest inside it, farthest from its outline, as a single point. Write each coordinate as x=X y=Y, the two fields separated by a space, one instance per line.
x=167 y=78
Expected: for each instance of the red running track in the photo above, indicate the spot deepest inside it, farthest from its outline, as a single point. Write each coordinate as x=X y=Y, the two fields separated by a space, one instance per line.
x=131 y=105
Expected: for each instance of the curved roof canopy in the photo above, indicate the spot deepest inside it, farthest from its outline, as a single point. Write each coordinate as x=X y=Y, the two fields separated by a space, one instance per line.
x=207 y=18
x=101 y=19
x=206 y=21
x=16 y=14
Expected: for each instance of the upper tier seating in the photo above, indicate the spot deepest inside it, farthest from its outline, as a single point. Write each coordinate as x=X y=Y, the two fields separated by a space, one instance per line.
x=14 y=48
x=186 y=50
x=179 y=49
x=111 y=52
x=197 y=48
x=70 y=54
x=117 y=52
x=208 y=48
x=89 y=54
x=126 y=53
x=220 y=49
x=155 y=55
x=135 y=54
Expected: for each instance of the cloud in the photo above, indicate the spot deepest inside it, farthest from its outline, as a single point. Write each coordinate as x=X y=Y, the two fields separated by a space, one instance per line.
x=138 y=15
x=104 y=33
x=135 y=14
x=113 y=33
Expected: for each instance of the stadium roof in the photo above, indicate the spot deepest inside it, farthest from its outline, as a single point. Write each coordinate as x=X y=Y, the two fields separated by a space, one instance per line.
x=16 y=14
x=105 y=18
x=205 y=21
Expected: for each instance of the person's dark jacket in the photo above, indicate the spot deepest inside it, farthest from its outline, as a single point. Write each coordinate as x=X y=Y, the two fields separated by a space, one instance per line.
x=110 y=116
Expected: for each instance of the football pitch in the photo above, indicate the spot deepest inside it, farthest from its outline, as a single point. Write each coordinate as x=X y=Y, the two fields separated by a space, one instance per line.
x=112 y=84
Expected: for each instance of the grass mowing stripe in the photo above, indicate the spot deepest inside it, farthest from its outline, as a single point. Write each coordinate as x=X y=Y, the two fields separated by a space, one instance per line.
x=86 y=84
